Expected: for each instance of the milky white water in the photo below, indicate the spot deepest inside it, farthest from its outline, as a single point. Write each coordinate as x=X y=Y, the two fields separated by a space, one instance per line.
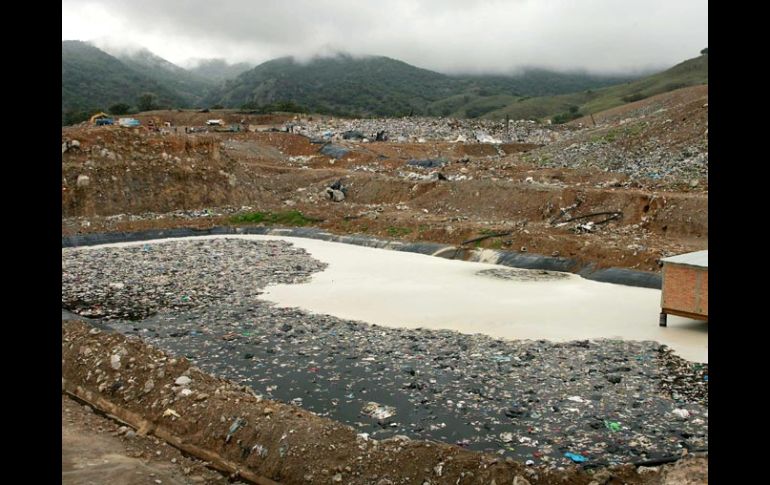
x=400 y=289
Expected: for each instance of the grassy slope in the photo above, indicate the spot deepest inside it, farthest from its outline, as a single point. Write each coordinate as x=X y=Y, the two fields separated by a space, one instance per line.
x=688 y=73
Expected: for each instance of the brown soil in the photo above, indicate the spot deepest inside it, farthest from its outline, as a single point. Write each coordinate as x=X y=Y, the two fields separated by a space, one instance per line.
x=132 y=172
x=276 y=441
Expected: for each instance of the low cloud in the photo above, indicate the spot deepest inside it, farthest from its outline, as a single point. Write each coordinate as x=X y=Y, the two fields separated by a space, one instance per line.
x=486 y=36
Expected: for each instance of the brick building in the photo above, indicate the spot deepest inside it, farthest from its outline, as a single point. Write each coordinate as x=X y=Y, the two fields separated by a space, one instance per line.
x=685 y=286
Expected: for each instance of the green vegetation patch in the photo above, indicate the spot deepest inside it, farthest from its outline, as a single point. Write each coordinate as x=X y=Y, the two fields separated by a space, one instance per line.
x=398 y=231
x=288 y=218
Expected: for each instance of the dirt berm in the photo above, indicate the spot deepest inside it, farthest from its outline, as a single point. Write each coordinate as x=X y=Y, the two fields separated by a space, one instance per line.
x=267 y=442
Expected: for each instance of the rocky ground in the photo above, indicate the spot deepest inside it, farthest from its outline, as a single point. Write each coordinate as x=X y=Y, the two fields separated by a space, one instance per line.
x=600 y=401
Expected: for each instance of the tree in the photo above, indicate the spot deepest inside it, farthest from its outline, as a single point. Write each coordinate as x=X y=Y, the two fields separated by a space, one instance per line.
x=146 y=102
x=705 y=51
x=75 y=116
x=119 y=109
x=251 y=105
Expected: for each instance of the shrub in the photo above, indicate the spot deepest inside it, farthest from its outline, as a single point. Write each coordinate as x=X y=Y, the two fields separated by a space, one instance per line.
x=634 y=97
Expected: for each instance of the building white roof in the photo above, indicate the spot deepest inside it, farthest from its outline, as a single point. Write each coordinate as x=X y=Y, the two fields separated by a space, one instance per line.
x=699 y=259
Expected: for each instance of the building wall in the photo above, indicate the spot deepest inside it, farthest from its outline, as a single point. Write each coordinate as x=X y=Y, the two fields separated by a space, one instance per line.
x=685 y=289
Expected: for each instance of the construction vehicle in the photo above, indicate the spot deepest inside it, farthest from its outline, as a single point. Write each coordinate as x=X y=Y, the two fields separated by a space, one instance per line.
x=100 y=119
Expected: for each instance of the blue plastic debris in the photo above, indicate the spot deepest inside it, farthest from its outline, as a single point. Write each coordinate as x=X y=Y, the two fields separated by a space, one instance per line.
x=706 y=378
x=576 y=457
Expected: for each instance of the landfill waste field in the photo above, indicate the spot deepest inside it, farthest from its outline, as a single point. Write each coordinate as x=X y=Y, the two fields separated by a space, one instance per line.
x=600 y=401
x=623 y=192
x=243 y=355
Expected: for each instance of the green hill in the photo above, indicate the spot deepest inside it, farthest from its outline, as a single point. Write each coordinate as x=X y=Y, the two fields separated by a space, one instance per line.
x=381 y=86
x=189 y=86
x=219 y=70
x=360 y=86
x=688 y=73
x=370 y=85
x=94 y=80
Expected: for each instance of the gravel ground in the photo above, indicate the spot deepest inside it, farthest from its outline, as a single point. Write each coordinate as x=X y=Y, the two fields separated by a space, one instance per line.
x=604 y=401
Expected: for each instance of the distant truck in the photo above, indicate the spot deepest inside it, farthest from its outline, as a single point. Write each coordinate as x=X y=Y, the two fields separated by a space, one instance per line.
x=104 y=121
x=128 y=122
x=215 y=123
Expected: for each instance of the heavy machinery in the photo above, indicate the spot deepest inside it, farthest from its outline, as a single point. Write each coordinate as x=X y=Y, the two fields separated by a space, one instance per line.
x=100 y=119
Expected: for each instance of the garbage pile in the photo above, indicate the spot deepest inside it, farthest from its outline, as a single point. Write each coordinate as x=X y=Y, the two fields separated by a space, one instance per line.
x=432 y=129
x=336 y=191
x=659 y=142
x=651 y=159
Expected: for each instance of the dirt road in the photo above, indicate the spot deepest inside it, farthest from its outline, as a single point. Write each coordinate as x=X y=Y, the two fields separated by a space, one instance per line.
x=97 y=450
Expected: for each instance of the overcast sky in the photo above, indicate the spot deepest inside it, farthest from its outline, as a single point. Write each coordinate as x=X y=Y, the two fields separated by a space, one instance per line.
x=443 y=35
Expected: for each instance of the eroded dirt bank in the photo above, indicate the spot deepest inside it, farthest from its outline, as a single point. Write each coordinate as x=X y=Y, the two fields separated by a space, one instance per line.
x=166 y=397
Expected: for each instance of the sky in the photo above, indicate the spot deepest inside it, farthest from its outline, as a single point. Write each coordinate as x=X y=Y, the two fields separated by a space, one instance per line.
x=450 y=36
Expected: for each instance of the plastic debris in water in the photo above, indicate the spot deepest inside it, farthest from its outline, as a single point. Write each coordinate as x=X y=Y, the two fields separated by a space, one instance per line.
x=612 y=425
x=681 y=413
x=379 y=411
